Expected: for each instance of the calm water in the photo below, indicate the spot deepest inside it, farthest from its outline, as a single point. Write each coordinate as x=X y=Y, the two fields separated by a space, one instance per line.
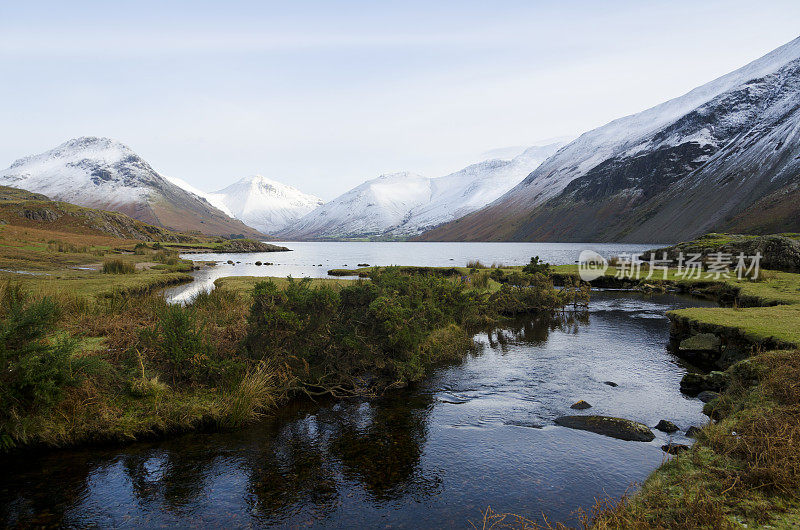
x=314 y=259
x=472 y=435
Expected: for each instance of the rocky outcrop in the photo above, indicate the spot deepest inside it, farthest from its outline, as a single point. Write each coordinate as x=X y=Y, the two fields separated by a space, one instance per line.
x=619 y=428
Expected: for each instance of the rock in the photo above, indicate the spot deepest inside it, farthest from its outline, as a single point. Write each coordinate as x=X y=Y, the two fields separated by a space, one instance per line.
x=580 y=405
x=706 y=395
x=692 y=431
x=619 y=428
x=666 y=426
x=258 y=263
x=610 y=383
x=674 y=449
x=692 y=383
x=230 y=262
x=363 y=264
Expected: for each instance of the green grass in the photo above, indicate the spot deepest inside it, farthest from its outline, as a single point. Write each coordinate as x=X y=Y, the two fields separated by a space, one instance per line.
x=245 y=284
x=94 y=284
x=757 y=324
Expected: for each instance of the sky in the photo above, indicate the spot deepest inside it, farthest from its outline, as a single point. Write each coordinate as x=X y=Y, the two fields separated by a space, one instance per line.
x=324 y=95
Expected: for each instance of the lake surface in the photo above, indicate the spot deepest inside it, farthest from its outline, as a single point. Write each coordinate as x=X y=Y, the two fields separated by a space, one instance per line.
x=315 y=259
x=476 y=434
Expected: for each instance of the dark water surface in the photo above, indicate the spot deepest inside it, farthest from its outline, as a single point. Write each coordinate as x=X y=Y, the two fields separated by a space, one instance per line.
x=472 y=435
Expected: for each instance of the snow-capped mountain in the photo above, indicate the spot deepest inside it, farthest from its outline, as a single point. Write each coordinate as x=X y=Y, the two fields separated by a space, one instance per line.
x=696 y=163
x=403 y=204
x=105 y=174
x=263 y=203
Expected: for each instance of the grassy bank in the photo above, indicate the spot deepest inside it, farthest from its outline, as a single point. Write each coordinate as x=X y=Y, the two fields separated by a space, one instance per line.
x=123 y=365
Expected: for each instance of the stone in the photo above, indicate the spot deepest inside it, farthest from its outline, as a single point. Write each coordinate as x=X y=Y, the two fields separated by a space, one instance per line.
x=580 y=405
x=610 y=383
x=666 y=426
x=692 y=383
x=674 y=449
x=619 y=428
x=692 y=431
x=707 y=395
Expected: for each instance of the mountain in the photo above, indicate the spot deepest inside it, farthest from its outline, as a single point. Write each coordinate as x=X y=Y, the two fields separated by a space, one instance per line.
x=263 y=203
x=725 y=156
x=105 y=174
x=403 y=204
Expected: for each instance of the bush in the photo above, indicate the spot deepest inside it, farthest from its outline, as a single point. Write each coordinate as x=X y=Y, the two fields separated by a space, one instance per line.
x=179 y=345
x=392 y=327
x=536 y=266
x=118 y=266
x=34 y=365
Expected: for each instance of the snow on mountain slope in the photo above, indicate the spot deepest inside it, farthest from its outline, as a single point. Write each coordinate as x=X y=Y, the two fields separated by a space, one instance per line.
x=105 y=174
x=629 y=135
x=264 y=203
x=369 y=209
x=689 y=165
x=403 y=204
x=212 y=198
x=470 y=189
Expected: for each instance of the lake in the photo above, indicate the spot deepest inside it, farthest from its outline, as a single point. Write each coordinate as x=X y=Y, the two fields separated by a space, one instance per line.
x=474 y=434
x=314 y=259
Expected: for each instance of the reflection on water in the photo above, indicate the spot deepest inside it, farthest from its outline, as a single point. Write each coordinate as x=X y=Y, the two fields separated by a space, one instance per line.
x=474 y=434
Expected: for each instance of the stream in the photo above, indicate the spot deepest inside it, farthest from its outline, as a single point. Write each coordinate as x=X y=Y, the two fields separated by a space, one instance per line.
x=474 y=434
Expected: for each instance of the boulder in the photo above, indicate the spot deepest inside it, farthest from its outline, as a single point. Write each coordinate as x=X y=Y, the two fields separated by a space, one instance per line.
x=610 y=383
x=707 y=395
x=580 y=405
x=692 y=383
x=619 y=428
x=693 y=431
x=666 y=426
x=674 y=449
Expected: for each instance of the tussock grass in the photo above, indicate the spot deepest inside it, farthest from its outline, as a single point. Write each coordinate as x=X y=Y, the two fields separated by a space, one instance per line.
x=118 y=266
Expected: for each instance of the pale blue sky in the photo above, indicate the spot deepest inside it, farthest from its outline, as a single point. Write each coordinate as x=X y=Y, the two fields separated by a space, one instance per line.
x=324 y=95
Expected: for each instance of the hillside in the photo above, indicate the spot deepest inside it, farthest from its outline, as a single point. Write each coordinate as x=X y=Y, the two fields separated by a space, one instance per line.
x=724 y=157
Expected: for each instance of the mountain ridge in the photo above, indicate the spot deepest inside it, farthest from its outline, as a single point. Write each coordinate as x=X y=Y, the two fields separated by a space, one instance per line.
x=102 y=173
x=687 y=166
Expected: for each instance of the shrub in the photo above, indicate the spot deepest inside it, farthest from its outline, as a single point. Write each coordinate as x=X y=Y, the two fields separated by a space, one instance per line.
x=475 y=264
x=34 y=365
x=179 y=345
x=536 y=266
x=392 y=326
x=118 y=266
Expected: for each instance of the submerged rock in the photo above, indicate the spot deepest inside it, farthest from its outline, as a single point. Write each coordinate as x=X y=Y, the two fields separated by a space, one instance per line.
x=610 y=383
x=580 y=405
x=619 y=428
x=666 y=426
x=674 y=449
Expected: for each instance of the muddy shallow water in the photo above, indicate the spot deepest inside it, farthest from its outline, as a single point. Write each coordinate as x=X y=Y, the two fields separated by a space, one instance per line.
x=472 y=435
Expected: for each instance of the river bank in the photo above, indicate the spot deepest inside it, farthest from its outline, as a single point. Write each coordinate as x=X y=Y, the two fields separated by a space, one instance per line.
x=744 y=469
